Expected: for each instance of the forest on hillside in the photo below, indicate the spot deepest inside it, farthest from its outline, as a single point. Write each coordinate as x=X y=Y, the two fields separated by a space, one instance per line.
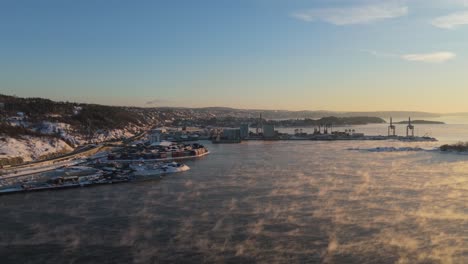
x=79 y=116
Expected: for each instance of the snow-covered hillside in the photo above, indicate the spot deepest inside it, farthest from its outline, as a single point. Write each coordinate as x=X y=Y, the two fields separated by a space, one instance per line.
x=68 y=134
x=33 y=127
x=31 y=148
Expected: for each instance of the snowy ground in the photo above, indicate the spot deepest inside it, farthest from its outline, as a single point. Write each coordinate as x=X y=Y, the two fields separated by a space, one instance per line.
x=31 y=148
x=15 y=173
x=66 y=132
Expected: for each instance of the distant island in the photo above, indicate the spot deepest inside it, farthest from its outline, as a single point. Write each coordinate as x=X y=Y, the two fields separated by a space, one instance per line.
x=421 y=122
x=331 y=120
x=257 y=122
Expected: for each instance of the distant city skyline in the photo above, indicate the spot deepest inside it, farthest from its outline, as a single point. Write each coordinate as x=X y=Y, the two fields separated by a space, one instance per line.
x=335 y=55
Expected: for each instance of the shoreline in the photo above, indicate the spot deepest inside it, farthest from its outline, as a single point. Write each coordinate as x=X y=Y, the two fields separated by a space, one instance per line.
x=341 y=138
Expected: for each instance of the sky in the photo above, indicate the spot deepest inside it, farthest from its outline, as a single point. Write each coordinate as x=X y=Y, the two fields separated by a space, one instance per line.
x=343 y=55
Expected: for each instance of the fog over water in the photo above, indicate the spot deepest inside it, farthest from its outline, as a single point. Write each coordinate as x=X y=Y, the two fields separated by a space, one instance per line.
x=267 y=202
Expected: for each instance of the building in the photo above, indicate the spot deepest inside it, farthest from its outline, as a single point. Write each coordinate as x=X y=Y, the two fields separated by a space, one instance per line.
x=244 y=131
x=231 y=134
x=156 y=135
x=269 y=131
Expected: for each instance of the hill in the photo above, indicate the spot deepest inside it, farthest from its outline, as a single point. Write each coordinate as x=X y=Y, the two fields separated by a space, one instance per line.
x=285 y=114
x=37 y=128
x=82 y=117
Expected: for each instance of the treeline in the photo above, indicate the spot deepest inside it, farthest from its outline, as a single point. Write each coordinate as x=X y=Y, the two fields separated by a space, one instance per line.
x=254 y=122
x=107 y=117
x=18 y=131
x=34 y=107
x=82 y=117
x=332 y=120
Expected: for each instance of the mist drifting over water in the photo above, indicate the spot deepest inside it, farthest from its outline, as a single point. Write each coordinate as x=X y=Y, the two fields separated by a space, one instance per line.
x=275 y=202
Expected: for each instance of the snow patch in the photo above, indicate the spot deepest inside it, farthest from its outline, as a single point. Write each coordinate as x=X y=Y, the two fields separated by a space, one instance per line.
x=31 y=148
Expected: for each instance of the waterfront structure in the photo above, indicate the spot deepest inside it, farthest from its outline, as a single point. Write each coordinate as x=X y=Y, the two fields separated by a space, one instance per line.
x=244 y=131
x=269 y=131
x=228 y=135
x=231 y=134
x=259 y=125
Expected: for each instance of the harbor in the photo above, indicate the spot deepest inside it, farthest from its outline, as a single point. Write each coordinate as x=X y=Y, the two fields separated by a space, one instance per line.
x=159 y=151
x=323 y=132
x=135 y=162
x=280 y=190
x=90 y=175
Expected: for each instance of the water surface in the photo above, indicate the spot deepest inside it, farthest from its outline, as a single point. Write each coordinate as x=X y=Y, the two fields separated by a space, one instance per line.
x=275 y=202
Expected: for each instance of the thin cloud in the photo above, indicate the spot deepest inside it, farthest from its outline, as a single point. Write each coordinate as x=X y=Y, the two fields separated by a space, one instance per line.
x=157 y=102
x=380 y=54
x=436 y=57
x=451 y=21
x=352 y=15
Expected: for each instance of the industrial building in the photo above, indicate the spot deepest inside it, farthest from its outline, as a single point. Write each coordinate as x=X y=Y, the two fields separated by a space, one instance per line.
x=244 y=131
x=229 y=135
x=269 y=132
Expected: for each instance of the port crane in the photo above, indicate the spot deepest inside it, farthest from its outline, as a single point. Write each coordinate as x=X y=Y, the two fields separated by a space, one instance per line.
x=409 y=128
x=391 y=129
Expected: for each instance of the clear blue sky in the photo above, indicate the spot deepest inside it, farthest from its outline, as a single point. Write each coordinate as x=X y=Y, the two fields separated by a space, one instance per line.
x=275 y=54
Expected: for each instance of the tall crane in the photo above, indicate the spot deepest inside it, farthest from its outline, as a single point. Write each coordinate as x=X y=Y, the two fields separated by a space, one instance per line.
x=391 y=129
x=409 y=128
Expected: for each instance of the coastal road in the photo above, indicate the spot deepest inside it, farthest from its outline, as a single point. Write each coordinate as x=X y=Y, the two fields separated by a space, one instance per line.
x=73 y=158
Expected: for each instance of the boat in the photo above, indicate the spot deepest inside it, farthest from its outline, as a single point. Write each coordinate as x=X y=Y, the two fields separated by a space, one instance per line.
x=153 y=169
